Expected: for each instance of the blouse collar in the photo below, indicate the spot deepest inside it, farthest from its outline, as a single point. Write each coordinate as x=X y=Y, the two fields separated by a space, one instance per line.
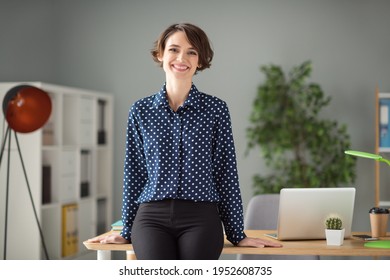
x=193 y=99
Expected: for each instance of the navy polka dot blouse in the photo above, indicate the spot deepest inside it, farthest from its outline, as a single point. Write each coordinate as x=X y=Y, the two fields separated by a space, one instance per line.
x=188 y=154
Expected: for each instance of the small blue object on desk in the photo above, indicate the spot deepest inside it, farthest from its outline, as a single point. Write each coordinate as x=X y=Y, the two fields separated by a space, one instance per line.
x=117 y=226
x=385 y=244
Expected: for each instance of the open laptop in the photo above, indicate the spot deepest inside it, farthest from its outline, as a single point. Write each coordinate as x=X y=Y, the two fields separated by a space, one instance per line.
x=302 y=212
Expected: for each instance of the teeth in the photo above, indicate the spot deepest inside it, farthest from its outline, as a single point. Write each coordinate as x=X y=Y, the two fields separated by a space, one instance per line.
x=181 y=67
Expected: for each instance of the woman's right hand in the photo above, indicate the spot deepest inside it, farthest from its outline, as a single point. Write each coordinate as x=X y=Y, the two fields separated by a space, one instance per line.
x=111 y=238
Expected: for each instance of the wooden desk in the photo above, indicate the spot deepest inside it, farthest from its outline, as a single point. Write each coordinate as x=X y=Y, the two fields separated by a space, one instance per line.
x=351 y=247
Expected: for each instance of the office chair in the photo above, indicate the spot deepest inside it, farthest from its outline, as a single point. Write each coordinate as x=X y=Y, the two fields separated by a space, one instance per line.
x=262 y=213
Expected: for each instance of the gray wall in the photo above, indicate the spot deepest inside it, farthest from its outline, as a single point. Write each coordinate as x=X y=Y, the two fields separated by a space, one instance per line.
x=104 y=45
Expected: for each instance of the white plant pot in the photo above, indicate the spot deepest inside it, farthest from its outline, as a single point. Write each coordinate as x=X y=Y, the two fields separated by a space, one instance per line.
x=334 y=237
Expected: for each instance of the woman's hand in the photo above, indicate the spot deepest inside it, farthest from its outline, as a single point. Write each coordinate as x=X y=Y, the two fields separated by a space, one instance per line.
x=111 y=238
x=258 y=242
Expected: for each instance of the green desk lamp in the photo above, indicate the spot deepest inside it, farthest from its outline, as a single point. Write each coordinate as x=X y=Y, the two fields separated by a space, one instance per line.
x=380 y=243
x=367 y=155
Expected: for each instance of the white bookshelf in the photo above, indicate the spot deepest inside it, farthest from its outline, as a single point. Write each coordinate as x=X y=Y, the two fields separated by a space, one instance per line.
x=80 y=174
x=382 y=170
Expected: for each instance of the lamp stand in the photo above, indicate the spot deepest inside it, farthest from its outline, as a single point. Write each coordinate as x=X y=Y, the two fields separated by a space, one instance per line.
x=8 y=137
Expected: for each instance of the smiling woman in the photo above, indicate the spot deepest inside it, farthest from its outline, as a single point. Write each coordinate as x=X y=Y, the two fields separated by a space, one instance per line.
x=195 y=36
x=180 y=62
x=180 y=171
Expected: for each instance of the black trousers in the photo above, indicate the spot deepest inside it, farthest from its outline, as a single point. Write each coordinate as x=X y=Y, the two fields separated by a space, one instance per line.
x=177 y=230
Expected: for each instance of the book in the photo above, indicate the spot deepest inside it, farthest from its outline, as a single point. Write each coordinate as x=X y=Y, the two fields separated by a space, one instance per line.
x=69 y=230
x=384 y=128
x=117 y=226
x=46 y=184
x=102 y=137
x=102 y=215
x=85 y=162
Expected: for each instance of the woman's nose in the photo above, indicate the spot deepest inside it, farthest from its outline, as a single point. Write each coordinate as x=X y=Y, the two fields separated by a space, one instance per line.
x=180 y=57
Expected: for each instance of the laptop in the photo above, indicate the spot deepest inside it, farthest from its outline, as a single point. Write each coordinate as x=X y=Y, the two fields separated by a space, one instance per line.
x=303 y=211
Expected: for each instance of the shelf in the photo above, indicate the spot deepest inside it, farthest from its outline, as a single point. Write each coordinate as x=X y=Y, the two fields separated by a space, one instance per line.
x=384 y=150
x=385 y=204
x=69 y=162
x=382 y=140
x=383 y=95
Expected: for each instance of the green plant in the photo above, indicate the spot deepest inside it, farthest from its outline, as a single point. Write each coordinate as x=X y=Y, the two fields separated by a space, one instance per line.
x=333 y=223
x=301 y=149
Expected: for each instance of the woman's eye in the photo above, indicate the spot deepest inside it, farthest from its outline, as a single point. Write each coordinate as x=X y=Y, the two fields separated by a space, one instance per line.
x=174 y=50
x=192 y=53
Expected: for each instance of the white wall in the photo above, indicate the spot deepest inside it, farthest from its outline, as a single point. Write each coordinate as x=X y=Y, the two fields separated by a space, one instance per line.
x=104 y=45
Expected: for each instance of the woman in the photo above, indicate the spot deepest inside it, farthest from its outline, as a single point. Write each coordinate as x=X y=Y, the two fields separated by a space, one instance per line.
x=180 y=174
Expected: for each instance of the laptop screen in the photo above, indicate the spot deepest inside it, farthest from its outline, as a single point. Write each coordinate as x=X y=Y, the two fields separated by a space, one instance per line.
x=302 y=212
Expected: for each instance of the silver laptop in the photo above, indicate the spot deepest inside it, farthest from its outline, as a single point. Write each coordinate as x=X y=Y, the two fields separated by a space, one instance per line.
x=302 y=212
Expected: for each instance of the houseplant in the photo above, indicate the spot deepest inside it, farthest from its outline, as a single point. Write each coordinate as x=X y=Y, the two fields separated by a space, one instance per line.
x=334 y=231
x=301 y=149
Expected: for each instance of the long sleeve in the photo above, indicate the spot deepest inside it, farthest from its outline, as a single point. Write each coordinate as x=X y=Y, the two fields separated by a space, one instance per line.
x=226 y=176
x=135 y=174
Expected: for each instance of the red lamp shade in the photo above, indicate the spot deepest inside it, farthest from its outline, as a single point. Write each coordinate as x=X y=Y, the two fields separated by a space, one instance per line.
x=26 y=108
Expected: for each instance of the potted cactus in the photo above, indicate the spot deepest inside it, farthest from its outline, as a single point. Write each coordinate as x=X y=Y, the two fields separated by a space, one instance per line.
x=334 y=231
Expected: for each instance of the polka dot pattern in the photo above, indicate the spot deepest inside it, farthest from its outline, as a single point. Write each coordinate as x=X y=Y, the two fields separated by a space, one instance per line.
x=188 y=154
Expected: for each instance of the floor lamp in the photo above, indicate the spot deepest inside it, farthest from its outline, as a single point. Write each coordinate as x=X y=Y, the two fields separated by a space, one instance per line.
x=26 y=109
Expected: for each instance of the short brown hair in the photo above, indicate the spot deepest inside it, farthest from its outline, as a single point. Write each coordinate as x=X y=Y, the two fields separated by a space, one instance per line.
x=197 y=38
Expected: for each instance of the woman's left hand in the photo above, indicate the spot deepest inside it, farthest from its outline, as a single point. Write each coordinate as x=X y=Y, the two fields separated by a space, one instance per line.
x=258 y=242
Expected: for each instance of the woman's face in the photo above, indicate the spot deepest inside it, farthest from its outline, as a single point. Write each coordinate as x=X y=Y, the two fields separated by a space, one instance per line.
x=180 y=60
